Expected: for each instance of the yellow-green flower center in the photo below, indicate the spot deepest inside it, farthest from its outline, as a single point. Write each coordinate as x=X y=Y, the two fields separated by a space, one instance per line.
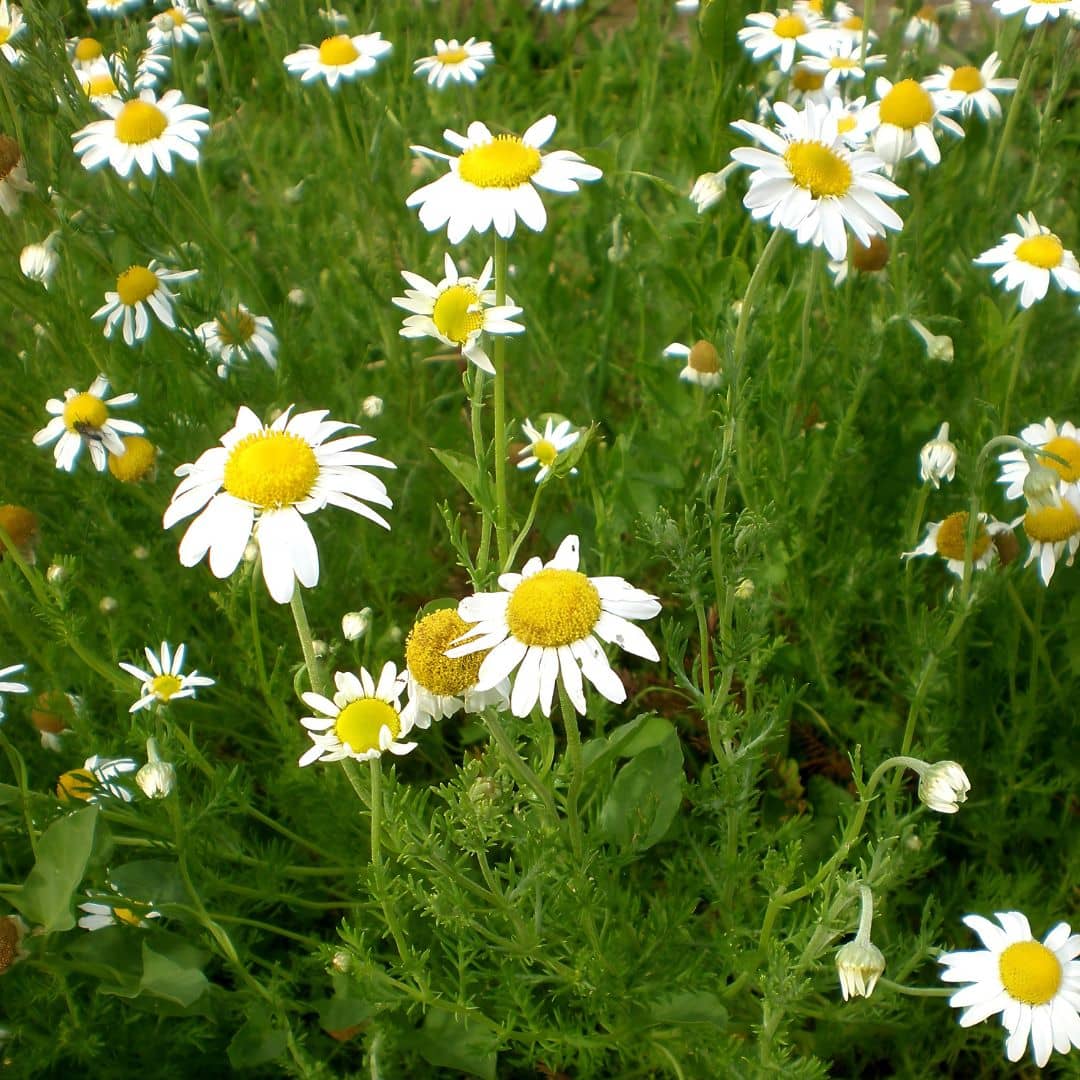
x=99 y=85
x=425 y=647
x=5 y=33
x=452 y=56
x=452 y=315
x=164 y=686
x=505 y=162
x=966 y=79
x=360 y=722
x=271 y=469
x=1066 y=448
x=135 y=462
x=135 y=284
x=140 y=122
x=818 y=169
x=552 y=608
x=1043 y=251
x=337 y=51
x=907 y=105
x=544 y=451
x=84 y=411
x=87 y=49
x=235 y=327
x=805 y=80
x=126 y=916
x=1052 y=524
x=177 y=16
x=789 y=26
x=1030 y=972
x=952 y=538
x=842 y=63
x=853 y=22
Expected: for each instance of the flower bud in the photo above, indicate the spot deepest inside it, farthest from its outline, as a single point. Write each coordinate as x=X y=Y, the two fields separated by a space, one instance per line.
x=39 y=262
x=943 y=786
x=107 y=605
x=859 y=965
x=372 y=406
x=939 y=347
x=156 y=778
x=744 y=590
x=354 y=624
x=937 y=459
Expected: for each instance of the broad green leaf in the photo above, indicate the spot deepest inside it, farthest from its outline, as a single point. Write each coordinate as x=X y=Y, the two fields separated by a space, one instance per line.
x=629 y=739
x=345 y=1009
x=257 y=1041
x=153 y=881
x=445 y=1040
x=462 y=469
x=645 y=797
x=165 y=977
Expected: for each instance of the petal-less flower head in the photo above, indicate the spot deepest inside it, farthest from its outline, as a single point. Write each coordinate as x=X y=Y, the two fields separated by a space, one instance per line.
x=143 y=133
x=1037 y=11
x=13 y=179
x=140 y=291
x=545 y=625
x=545 y=446
x=338 y=57
x=235 y=335
x=1030 y=259
x=970 y=89
x=902 y=121
x=948 y=539
x=11 y=26
x=938 y=458
x=702 y=362
x=82 y=419
x=783 y=33
x=165 y=681
x=493 y=181
x=808 y=182
x=364 y=720
x=457 y=311
x=839 y=59
x=262 y=480
x=96 y=780
x=1063 y=442
x=180 y=24
x=1035 y=985
x=454 y=61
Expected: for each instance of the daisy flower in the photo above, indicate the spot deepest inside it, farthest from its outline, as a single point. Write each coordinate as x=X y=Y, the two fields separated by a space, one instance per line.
x=143 y=132
x=455 y=62
x=839 y=58
x=545 y=625
x=176 y=25
x=1034 y=985
x=1052 y=525
x=702 y=362
x=235 y=335
x=112 y=8
x=338 y=57
x=140 y=291
x=457 y=311
x=364 y=720
x=1029 y=259
x=164 y=682
x=1063 y=441
x=923 y=26
x=261 y=481
x=39 y=262
x=948 y=539
x=544 y=447
x=84 y=53
x=99 y=84
x=851 y=124
x=144 y=72
x=98 y=915
x=709 y=187
x=902 y=121
x=82 y=419
x=13 y=179
x=11 y=26
x=970 y=89
x=782 y=33
x=492 y=181
x=848 y=24
x=809 y=183
x=1037 y=11
x=96 y=780
x=11 y=687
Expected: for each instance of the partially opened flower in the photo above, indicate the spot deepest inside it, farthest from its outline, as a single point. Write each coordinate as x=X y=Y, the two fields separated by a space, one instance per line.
x=261 y=482
x=455 y=62
x=1063 y=442
x=1030 y=259
x=141 y=291
x=903 y=120
x=948 y=539
x=547 y=624
x=493 y=181
x=165 y=681
x=970 y=89
x=545 y=446
x=235 y=335
x=340 y=57
x=938 y=458
x=179 y=24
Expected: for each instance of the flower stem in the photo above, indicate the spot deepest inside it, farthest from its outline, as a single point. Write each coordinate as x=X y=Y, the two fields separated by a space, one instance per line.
x=1014 y=109
x=524 y=775
x=316 y=675
x=499 y=360
x=476 y=402
x=742 y=328
x=916 y=991
x=376 y=812
x=577 y=769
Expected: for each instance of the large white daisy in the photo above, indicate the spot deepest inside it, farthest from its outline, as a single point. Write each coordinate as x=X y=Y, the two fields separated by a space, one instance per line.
x=492 y=181
x=261 y=480
x=1063 y=441
x=809 y=182
x=454 y=61
x=1037 y=11
x=970 y=89
x=903 y=119
x=1030 y=259
x=140 y=291
x=546 y=623
x=338 y=57
x=165 y=681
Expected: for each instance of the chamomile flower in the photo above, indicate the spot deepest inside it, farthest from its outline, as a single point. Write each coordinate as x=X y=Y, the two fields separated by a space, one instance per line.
x=970 y=89
x=848 y=24
x=545 y=625
x=143 y=71
x=1063 y=441
x=702 y=362
x=493 y=181
x=141 y=291
x=100 y=915
x=805 y=85
x=164 y=682
x=112 y=8
x=782 y=33
x=902 y=121
x=948 y=539
x=235 y=335
x=97 y=779
x=364 y=720
x=14 y=182
x=709 y=187
x=7 y=687
x=143 y=133
x=923 y=27
x=938 y=458
x=99 y=84
x=851 y=121
x=1030 y=259
x=545 y=446
x=807 y=181
x=838 y=59
x=338 y=57
x=454 y=61
x=82 y=419
x=457 y=311
x=179 y=24
x=261 y=481
x=11 y=26
x=1052 y=526
x=1037 y=11
x=39 y=262
x=84 y=53
x=1034 y=985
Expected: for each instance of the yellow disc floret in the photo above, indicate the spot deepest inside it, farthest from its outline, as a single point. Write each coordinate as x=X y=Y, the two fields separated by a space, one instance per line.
x=952 y=538
x=76 y=785
x=1030 y=972
x=452 y=56
x=140 y=122
x=1052 y=524
x=136 y=462
x=544 y=451
x=1043 y=251
x=789 y=26
x=87 y=49
x=235 y=327
x=271 y=469
x=966 y=79
x=805 y=80
x=136 y=284
x=1069 y=449
x=337 y=51
x=552 y=608
x=907 y=105
x=361 y=721
x=455 y=315
x=425 y=649
x=505 y=162
x=818 y=169
x=84 y=411
x=164 y=686
x=126 y=916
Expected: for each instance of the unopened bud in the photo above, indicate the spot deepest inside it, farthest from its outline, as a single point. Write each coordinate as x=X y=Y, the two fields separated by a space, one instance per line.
x=859 y=966
x=937 y=459
x=943 y=786
x=354 y=624
x=939 y=347
x=107 y=605
x=156 y=778
x=744 y=590
x=372 y=406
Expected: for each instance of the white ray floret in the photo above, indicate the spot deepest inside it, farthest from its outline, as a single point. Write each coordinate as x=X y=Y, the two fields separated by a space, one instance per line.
x=454 y=61
x=545 y=446
x=1030 y=259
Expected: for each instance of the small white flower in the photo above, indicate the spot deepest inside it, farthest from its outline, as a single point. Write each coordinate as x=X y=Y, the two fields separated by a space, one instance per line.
x=839 y=59
x=709 y=187
x=372 y=406
x=100 y=915
x=782 y=33
x=1063 y=441
x=140 y=291
x=544 y=447
x=179 y=24
x=235 y=335
x=923 y=26
x=903 y=120
x=97 y=779
x=702 y=362
x=948 y=539
x=338 y=57
x=455 y=62
x=938 y=458
x=970 y=89
x=1030 y=259
x=1037 y=11
x=943 y=786
x=164 y=682
x=156 y=778
x=354 y=624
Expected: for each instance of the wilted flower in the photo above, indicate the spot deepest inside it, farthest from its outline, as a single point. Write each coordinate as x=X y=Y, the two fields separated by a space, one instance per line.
x=859 y=963
x=39 y=262
x=937 y=459
x=156 y=778
x=943 y=786
x=939 y=347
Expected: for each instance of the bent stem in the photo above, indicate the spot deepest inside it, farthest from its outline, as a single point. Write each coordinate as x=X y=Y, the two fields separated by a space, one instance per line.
x=577 y=770
x=499 y=360
x=316 y=676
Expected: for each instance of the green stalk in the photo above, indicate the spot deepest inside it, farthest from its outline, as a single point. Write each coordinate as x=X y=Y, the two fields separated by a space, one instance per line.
x=502 y=528
x=577 y=770
x=316 y=676
x=1014 y=108
x=522 y=773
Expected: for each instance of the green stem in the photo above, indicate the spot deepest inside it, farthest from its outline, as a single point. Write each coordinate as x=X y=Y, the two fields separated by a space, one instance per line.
x=757 y=279
x=502 y=528
x=476 y=401
x=376 y=812
x=316 y=676
x=916 y=991
x=524 y=775
x=18 y=767
x=1014 y=109
x=577 y=770
x=353 y=775
x=1017 y=359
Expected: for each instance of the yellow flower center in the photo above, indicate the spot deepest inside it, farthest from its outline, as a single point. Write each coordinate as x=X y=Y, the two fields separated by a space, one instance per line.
x=135 y=284
x=425 y=646
x=552 y=608
x=816 y=6
x=360 y=722
x=952 y=538
x=10 y=155
x=544 y=451
x=77 y=784
x=907 y=105
x=818 y=169
x=927 y=13
x=966 y=79
x=1066 y=448
x=789 y=26
x=84 y=411
x=842 y=63
x=19 y=523
x=845 y=124
x=87 y=49
x=1044 y=251
x=805 y=80
x=99 y=85
x=235 y=327
x=164 y=686
x=452 y=56
x=1030 y=972
x=136 y=462
x=177 y=16
x=337 y=51
x=452 y=316
x=1052 y=524
x=271 y=469
x=852 y=22
x=704 y=358
x=5 y=33
x=126 y=916
x=505 y=162
x=140 y=122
